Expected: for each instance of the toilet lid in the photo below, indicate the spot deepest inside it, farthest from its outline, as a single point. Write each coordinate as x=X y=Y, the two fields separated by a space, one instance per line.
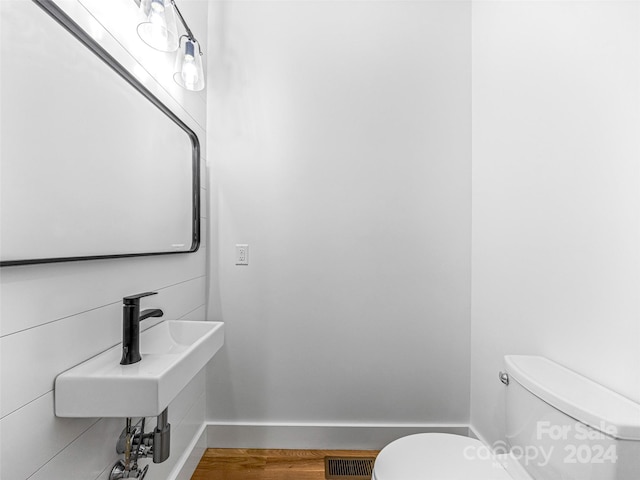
x=437 y=456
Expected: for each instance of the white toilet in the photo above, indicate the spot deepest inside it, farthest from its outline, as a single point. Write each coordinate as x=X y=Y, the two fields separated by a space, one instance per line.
x=560 y=426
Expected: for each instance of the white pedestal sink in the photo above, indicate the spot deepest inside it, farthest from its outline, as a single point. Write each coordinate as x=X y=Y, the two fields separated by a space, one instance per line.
x=173 y=352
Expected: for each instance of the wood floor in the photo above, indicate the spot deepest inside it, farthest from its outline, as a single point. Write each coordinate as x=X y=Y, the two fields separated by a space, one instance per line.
x=250 y=464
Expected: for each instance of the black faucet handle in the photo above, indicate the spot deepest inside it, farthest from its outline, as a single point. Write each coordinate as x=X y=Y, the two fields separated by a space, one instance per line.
x=135 y=299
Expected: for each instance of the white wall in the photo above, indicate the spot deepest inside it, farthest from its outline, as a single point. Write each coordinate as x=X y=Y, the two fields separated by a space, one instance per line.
x=340 y=133
x=556 y=194
x=57 y=315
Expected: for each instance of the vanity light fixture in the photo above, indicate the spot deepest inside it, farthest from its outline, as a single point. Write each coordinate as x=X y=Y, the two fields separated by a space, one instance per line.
x=159 y=31
x=188 y=72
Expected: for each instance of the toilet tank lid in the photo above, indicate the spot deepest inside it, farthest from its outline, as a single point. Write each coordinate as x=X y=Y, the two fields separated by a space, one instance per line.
x=576 y=396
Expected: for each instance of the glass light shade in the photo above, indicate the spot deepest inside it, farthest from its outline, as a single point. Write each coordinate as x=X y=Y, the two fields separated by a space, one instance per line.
x=188 y=69
x=145 y=6
x=159 y=29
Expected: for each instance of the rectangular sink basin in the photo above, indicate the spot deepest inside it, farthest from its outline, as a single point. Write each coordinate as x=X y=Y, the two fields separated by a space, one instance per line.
x=173 y=352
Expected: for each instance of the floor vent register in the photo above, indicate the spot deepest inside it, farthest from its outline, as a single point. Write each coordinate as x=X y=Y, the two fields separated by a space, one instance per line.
x=350 y=468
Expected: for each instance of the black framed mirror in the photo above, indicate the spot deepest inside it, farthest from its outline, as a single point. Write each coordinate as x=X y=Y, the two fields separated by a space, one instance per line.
x=93 y=164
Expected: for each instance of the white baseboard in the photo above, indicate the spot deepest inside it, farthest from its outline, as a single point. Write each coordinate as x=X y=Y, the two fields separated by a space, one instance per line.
x=189 y=460
x=473 y=433
x=303 y=436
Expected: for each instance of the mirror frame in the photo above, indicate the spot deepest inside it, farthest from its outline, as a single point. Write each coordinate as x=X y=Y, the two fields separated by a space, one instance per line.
x=79 y=34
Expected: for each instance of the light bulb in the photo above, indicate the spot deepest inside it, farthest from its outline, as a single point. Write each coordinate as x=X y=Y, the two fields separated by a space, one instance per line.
x=189 y=72
x=158 y=25
x=157 y=6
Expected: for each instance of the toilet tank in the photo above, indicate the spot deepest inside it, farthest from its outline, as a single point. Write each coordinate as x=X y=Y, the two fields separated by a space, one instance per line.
x=563 y=426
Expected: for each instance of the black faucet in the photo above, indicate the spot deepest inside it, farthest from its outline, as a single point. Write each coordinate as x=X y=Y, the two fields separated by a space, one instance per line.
x=131 y=318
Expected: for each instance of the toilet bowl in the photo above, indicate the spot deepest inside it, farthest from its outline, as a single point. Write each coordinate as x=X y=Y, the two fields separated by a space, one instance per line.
x=559 y=426
x=443 y=456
